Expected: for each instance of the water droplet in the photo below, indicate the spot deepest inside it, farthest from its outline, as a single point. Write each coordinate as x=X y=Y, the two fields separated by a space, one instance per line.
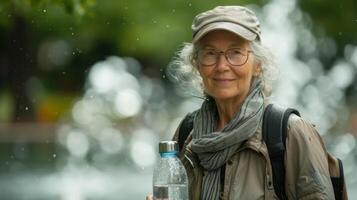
x=54 y=155
x=190 y=4
x=137 y=39
x=339 y=33
x=26 y=108
x=73 y=53
x=163 y=76
x=72 y=33
x=173 y=10
x=167 y=26
x=44 y=10
x=154 y=21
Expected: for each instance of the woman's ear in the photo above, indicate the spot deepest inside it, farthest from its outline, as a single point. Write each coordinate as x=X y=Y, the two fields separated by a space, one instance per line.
x=257 y=69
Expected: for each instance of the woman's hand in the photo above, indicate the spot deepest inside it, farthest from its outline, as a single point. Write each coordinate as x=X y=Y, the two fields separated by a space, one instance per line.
x=149 y=197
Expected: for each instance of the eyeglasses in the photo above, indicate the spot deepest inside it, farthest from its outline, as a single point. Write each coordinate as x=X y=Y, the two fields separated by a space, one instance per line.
x=234 y=56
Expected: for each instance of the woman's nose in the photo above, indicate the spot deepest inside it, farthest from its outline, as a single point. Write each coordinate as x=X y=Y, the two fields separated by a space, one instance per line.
x=222 y=63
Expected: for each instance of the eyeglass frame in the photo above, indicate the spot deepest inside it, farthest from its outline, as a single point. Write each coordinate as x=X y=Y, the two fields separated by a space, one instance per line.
x=219 y=53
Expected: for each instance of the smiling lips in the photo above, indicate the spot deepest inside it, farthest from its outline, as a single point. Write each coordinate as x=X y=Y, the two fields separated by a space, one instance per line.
x=223 y=80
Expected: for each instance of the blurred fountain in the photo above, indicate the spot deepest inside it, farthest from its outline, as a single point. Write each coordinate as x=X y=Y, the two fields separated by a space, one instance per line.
x=318 y=95
x=110 y=142
x=114 y=130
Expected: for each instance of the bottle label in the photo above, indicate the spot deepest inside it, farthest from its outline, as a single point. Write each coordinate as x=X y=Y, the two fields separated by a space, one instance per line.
x=161 y=192
x=168 y=154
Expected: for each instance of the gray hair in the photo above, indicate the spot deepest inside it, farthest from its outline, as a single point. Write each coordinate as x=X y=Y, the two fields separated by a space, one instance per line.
x=183 y=69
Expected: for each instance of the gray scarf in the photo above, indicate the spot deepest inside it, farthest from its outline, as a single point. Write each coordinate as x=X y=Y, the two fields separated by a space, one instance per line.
x=214 y=148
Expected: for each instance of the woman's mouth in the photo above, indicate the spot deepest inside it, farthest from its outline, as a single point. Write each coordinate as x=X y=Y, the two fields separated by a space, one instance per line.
x=223 y=81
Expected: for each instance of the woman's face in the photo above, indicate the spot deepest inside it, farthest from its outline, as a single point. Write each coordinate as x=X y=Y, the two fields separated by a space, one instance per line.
x=222 y=80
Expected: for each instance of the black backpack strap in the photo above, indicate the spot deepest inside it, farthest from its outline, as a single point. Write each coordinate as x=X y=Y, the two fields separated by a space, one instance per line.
x=342 y=181
x=338 y=182
x=185 y=129
x=275 y=123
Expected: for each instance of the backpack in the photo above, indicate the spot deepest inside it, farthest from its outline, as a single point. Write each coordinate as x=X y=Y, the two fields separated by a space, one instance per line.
x=275 y=123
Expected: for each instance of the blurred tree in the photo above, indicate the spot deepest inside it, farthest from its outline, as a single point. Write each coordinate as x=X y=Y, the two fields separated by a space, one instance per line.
x=18 y=53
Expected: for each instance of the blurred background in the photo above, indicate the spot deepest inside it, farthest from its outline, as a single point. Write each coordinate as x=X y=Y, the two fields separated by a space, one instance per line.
x=84 y=95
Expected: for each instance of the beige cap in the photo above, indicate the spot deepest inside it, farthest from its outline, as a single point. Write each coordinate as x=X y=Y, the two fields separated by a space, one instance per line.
x=237 y=19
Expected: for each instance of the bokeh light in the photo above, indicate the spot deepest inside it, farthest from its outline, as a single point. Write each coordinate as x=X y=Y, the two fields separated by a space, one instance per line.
x=127 y=103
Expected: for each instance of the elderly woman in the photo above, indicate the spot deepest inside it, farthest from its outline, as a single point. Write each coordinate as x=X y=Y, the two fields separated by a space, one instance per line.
x=224 y=154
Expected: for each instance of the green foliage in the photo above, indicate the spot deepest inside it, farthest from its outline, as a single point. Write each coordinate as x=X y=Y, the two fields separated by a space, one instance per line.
x=152 y=29
x=27 y=7
x=149 y=30
x=335 y=19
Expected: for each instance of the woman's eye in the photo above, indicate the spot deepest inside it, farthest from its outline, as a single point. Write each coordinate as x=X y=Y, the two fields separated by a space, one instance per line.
x=210 y=53
x=236 y=52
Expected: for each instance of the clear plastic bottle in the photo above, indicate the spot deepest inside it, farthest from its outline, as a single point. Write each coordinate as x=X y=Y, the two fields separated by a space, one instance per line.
x=170 y=179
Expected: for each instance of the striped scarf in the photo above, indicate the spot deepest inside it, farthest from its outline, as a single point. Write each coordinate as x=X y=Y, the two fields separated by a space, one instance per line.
x=214 y=148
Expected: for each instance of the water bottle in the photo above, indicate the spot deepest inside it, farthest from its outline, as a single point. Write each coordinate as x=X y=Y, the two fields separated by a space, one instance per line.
x=170 y=178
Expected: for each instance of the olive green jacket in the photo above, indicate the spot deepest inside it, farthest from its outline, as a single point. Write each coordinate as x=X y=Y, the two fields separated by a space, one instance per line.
x=248 y=174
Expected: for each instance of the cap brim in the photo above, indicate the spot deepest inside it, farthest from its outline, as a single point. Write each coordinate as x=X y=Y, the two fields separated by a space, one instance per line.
x=228 y=26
